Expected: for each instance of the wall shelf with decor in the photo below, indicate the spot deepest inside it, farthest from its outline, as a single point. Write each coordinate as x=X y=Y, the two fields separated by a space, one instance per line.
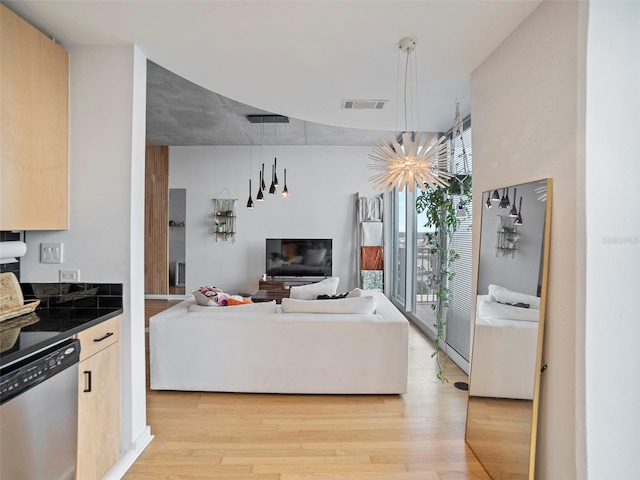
x=224 y=227
x=508 y=237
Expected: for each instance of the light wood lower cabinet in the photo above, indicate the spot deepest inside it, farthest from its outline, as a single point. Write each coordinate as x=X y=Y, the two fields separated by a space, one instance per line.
x=98 y=400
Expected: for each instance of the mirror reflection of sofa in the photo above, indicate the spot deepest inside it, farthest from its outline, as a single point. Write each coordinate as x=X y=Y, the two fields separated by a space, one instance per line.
x=505 y=344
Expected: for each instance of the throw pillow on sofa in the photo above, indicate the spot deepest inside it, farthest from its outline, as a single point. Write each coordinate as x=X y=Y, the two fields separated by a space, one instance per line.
x=206 y=296
x=328 y=286
x=358 y=292
x=343 y=305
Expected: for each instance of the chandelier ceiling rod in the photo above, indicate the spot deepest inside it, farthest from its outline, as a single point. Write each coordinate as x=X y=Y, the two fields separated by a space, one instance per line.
x=410 y=162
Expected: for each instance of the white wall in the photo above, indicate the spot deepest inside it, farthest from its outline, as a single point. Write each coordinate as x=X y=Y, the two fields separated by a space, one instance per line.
x=612 y=358
x=322 y=182
x=527 y=125
x=105 y=239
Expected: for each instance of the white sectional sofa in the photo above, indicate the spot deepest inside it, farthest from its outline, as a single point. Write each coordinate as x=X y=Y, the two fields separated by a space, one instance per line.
x=260 y=349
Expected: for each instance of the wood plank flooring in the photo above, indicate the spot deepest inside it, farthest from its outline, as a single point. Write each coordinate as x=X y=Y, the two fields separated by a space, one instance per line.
x=224 y=436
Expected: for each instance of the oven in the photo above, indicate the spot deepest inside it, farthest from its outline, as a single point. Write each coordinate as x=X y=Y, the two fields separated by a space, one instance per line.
x=39 y=414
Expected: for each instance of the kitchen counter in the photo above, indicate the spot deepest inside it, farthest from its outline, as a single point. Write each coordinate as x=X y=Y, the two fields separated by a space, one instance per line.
x=64 y=310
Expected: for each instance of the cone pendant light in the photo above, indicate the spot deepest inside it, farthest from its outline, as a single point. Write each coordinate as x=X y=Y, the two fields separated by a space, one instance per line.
x=250 y=201
x=259 y=195
x=285 y=190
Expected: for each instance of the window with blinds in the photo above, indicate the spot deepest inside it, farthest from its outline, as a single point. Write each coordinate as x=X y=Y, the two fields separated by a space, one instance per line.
x=458 y=330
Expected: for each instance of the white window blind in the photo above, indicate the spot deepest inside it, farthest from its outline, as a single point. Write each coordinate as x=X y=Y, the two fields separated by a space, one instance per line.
x=458 y=330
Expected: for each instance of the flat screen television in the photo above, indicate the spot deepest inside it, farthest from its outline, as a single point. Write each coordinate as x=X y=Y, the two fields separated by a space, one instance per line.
x=299 y=257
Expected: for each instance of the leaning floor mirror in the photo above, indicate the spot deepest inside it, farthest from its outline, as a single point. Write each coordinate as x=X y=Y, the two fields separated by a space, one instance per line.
x=506 y=358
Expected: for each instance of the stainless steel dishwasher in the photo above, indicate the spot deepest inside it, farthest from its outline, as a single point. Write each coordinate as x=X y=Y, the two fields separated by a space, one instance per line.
x=39 y=415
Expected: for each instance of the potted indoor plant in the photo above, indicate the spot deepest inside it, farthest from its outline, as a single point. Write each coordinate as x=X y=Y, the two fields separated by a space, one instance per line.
x=440 y=205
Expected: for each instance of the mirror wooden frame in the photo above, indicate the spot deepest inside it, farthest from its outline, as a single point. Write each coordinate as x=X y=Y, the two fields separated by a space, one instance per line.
x=501 y=426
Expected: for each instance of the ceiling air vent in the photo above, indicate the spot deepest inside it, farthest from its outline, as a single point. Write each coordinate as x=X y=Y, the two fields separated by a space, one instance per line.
x=363 y=104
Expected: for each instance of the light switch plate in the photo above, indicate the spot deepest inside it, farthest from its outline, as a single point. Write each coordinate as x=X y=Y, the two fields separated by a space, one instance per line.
x=51 y=253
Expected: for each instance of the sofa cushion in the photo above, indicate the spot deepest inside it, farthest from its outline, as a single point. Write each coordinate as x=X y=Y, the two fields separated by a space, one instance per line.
x=263 y=307
x=328 y=286
x=344 y=305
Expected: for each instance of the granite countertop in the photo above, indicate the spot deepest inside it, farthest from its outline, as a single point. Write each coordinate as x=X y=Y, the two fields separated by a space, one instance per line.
x=64 y=310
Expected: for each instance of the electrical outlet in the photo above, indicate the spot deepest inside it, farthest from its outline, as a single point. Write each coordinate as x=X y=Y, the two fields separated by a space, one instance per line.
x=69 y=276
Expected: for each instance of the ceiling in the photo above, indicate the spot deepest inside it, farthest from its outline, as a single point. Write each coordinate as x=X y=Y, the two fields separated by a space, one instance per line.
x=212 y=63
x=179 y=112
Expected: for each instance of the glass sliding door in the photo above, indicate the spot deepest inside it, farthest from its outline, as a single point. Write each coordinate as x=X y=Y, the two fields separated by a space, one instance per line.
x=399 y=255
x=414 y=267
x=424 y=273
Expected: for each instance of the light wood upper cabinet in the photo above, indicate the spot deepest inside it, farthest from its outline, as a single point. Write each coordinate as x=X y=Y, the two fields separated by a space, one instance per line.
x=98 y=400
x=34 y=128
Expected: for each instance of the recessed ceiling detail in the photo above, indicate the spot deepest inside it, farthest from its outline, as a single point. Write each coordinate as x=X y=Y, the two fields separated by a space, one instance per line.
x=364 y=104
x=180 y=113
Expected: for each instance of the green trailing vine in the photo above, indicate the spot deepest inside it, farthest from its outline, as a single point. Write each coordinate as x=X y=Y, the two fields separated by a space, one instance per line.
x=440 y=208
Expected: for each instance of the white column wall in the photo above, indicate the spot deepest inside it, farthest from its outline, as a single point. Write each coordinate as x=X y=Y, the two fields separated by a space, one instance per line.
x=612 y=356
x=322 y=182
x=105 y=239
x=526 y=126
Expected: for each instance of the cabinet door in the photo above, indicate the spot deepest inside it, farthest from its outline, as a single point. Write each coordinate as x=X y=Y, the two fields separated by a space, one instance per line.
x=99 y=413
x=34 y=128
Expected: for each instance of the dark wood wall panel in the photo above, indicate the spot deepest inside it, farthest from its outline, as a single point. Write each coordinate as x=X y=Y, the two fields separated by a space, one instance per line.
x=156 y=219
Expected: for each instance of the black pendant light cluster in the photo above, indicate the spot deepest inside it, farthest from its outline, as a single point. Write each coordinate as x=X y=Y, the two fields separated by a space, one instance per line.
x=504 y=202
x=273 y=119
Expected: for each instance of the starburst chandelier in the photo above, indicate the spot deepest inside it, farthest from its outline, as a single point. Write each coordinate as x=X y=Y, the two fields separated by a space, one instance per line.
x=421 y=159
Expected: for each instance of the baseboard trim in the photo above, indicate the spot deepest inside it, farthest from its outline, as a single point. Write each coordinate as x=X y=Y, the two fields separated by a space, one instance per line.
x=128 y=457
x=458 y=359
x=166 y=297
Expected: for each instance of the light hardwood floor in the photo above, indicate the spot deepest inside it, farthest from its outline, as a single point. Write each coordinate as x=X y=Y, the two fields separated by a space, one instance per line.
x=416 y=436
